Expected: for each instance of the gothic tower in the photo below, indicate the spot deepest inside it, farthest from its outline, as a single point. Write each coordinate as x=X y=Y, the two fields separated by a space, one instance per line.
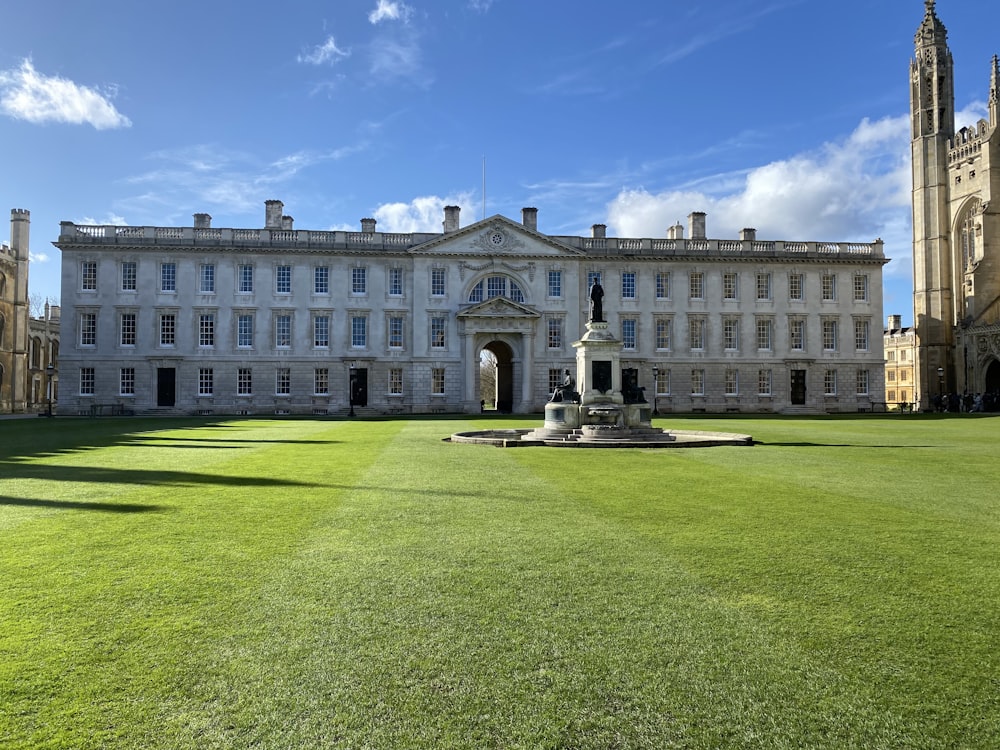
x=14 y=315
x=932 y=115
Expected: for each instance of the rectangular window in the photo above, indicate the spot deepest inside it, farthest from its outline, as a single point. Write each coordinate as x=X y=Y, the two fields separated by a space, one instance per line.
x=890 y=375
x=664 y=332
x=437 y=333
x=861 y=287
x=765 y=327
x=628 y=333
x=861 y=328
x=244 y=278
x=437 y=282
x=696 y=285
x=206 y=278
x=862 y=383
x=126 y=381
x=168 y=277
x=829 y=287
x=206 y=329
x=628 y=285
x=282 y=331
x=244 y=381
x=283 y=381
x=244 y=330
x=763 y=286
x=321 y=331
x=890 y=396
x=797 y=334
x=904 y=375
x=168 y=329
x=763 y=382
x=830 y=335
x=795 y=287
x=891 y=356
x=87 y=381
x=830 y=383
x=555 y=284
x=554 y=334
x=359 y=280
x=663 y=285
x=321 y=280
x=437 y=381
x=396 y=381
x=496 y=286
x=321 y=381
x=88 y=329
x=696 y=329
x=206 y=381
x=730 y=288
x=395 y=333
x=127 y=329
x=731 y=333
x=129 y=275
x=697 y=382
x=662 y=385
x=88 y=275
x=283 y=280
x=732 y=382
x=593 y=277
x=359 y=331
x=395 y=282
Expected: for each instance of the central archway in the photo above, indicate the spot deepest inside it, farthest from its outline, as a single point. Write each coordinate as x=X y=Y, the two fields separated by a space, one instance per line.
x=992 y=380
x=502 y=384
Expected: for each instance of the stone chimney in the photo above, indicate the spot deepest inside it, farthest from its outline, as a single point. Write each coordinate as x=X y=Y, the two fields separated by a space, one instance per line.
x=748 y=234
x=272 y=214
x=696 y=225
x=529 y=218
x=451 y=218
x=287 y=222
x=895 y=322
x=676 y=232
x=599 y=231
x=202 y=221
x=368 y=226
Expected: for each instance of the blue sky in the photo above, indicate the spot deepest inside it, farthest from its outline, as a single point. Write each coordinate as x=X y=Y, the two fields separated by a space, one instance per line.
x=790 y=116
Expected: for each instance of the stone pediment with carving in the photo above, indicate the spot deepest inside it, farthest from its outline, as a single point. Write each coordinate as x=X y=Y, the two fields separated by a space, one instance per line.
x=499 y=307
x=493 y=237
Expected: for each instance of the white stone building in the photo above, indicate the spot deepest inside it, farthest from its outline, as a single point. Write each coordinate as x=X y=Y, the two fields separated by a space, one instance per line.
x=281 y=320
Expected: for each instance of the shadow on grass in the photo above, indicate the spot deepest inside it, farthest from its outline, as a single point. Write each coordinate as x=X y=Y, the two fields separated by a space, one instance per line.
x=12 y=469
x=806 y=444
x=24 y=502
x=233 y=442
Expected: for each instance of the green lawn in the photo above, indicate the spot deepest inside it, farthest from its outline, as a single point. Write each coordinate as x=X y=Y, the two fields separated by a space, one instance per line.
x=333 y=584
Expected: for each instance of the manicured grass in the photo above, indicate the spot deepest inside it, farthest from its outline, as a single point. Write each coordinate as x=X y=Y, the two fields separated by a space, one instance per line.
x=306 y=584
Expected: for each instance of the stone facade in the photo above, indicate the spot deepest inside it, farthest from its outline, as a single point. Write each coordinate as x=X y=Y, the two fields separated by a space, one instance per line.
x=956 y=226
x=279 y=320
x=14 y=315
x=900 y=345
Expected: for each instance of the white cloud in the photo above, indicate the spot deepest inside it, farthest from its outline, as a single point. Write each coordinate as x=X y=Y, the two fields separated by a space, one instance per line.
x=327 y=52
x=390 y=10
x=424 y=214
x=855 y=190
x=393 y=58
x=481 y=6
x=38 y=257
x=26 y=94
x=110 y=219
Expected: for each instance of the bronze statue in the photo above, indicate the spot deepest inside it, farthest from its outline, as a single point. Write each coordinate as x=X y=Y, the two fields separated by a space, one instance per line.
x=597 y=303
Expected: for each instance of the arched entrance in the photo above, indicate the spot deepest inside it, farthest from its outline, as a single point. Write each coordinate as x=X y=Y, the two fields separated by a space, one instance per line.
x=992 y=382
x=497 y=387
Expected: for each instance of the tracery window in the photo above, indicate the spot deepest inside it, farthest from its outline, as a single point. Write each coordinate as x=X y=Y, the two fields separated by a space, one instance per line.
x=496 y=286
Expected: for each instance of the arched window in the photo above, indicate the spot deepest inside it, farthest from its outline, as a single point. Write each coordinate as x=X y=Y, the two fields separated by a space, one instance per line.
x=496 y=286
x=969 y=232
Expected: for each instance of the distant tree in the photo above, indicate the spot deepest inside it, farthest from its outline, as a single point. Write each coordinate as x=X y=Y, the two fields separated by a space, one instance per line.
x=36 y=305
x=488 y=376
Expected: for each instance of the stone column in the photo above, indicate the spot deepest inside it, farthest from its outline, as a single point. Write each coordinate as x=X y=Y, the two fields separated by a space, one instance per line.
x=527 y=371
x=469 y=403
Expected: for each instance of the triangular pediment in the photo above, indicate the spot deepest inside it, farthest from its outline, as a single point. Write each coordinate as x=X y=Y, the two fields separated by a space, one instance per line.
x=498 y=307
x=496 y=236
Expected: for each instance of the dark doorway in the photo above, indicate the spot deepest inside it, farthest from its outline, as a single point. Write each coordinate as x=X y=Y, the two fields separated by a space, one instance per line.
x=499 y=385
x=992 y=384
x=359 y=386
x=166 y=386
x=798 y=387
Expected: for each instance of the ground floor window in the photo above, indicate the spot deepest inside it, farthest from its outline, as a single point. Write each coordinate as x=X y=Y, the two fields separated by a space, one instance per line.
x=830 y=383
x=87 y=381
x=283 y=381
x=732 y=382
x=663 y=383
x=206 y=381
x=321 y=381
x=126 y=381
x=555 y=379
x=763 y=382
x=244 y=381
x=862 y=382
x=437 y=381
x=396 y=381
x=697 y=382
